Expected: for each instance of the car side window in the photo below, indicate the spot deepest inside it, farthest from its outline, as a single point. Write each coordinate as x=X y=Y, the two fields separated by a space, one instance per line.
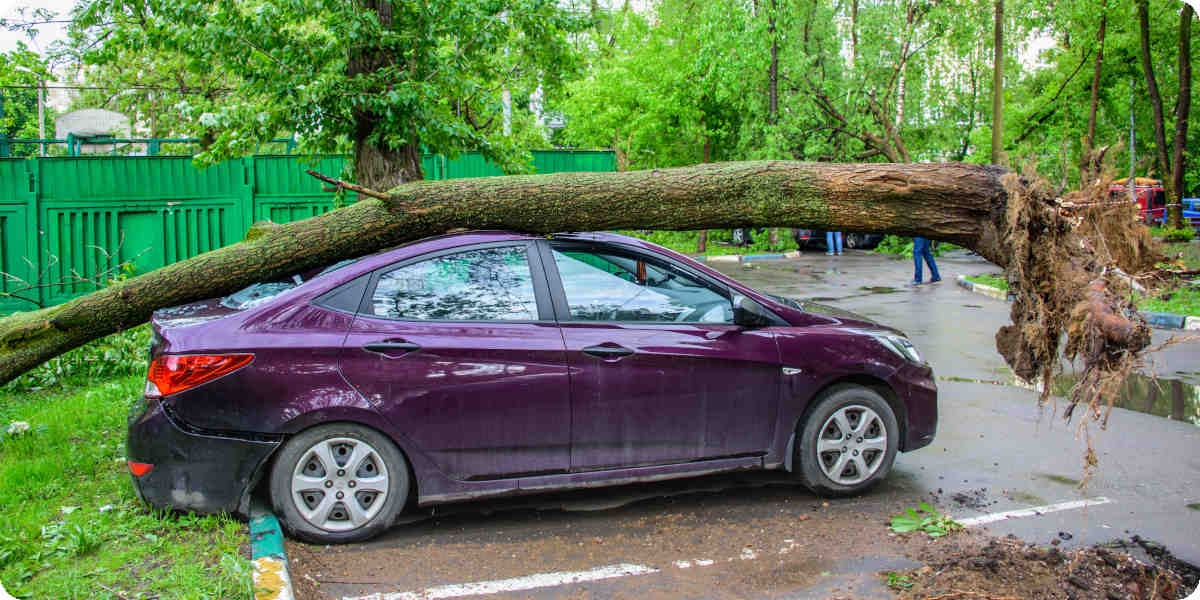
x=602 y=286
x=486 y=284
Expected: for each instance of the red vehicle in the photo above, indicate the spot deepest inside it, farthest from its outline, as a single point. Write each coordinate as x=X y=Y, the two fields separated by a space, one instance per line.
x=1150 y=196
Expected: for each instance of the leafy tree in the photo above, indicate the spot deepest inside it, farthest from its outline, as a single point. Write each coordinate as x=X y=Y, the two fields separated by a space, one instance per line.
x=21 y=72
x=386 y=78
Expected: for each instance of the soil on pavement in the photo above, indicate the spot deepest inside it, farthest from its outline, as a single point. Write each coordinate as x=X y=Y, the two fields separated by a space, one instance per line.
x=981 y=567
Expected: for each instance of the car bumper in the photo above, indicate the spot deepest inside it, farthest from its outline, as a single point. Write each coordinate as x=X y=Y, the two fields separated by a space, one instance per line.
x=919 y=394
x=193 y=470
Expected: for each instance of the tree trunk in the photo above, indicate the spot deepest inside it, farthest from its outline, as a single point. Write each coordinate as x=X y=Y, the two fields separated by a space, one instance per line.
x=998 y=88
x=1160 y=137
x=773 y=72
x=853 y=33
x=1183 y=107
x=957 y=203
x=1088 y=170
x=377 y=165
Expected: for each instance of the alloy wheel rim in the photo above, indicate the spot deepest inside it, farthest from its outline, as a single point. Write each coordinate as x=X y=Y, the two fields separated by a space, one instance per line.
x=339 y=484
x=851 y=445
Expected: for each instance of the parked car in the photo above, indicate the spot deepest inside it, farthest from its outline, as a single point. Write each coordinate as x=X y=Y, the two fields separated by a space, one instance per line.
x=813 y=237
x=490 y=363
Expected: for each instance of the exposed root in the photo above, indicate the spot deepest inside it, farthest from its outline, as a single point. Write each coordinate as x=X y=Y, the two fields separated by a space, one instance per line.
x=1076 y=276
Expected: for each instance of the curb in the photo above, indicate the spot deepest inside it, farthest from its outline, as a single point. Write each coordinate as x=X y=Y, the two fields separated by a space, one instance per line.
x=271 y=580
x=986 y=290
x=745 y=257
x=1154 y=319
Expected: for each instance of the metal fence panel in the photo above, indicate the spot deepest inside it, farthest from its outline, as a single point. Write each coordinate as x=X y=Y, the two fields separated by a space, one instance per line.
x=70 y=221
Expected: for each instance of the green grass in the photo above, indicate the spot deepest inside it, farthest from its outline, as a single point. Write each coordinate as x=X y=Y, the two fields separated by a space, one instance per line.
x=903 y=246
x=1173 y=235
x=1183 y=301
x=71 y=526
x=1187 y=253
x=995 y=281
x=684 y=242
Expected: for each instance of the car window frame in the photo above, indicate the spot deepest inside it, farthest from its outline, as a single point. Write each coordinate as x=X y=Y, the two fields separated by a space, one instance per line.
x=558 y=293
x=537 y=273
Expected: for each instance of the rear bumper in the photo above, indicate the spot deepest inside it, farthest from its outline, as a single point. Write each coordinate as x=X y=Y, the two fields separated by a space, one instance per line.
x=918 y=391
x=194 y=471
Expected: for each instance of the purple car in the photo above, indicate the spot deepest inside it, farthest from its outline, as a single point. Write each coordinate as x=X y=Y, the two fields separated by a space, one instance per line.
x=489 y=363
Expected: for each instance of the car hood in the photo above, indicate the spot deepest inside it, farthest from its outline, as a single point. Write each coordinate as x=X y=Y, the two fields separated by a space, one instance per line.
x=842 y=316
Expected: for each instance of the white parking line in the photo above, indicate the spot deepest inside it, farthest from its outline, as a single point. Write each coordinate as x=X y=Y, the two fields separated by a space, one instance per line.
x=516 y=584
x=1031 y=512
x=544 y=580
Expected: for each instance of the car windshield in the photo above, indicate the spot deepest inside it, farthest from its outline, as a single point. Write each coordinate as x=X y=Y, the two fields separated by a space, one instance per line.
x=258 y=293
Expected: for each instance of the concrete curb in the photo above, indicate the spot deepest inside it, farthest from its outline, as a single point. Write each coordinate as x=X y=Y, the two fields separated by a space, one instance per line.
x=1155 y=319
x=745 y=257
x=271 y=580
x=986 y=290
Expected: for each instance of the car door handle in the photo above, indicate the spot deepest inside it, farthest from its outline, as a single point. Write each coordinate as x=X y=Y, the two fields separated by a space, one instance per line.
x=392 y=348
x=607 y=351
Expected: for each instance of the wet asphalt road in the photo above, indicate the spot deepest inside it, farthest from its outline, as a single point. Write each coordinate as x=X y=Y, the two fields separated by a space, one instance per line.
x=996 y=450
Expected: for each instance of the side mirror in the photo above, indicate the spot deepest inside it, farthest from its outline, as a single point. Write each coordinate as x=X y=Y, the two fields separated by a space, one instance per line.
x=750 y=314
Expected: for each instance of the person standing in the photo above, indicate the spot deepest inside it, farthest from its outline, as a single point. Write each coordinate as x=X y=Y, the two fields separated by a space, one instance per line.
x=923 y=250
x=830 y=236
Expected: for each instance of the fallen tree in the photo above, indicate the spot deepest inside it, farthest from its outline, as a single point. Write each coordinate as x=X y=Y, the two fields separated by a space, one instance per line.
x=1064 y=280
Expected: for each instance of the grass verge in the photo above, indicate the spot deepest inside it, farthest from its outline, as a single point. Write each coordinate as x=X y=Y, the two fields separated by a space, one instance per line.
x=71 y=525
x=1181 y=301
x=995 y=281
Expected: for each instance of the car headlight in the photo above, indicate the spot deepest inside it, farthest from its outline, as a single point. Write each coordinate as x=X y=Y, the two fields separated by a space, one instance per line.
x=900 y=345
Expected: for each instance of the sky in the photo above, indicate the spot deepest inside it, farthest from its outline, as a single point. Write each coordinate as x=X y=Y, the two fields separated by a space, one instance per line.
x=46 y=33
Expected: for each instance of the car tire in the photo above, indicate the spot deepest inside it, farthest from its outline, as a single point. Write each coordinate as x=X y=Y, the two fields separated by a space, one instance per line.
x=320 y=499
x=868 y=457
x=853 y=241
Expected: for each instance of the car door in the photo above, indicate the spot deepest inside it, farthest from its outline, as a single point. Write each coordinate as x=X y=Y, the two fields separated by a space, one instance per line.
x=659 y=372
x=459 y=351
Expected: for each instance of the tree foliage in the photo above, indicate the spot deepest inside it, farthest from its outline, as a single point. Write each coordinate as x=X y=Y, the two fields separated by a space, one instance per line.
x=21 y=72
x=899 y=80
x=383 y=78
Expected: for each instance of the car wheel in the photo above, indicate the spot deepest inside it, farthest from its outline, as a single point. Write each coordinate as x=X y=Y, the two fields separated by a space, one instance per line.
x=338 y=483
x=852 y=241
x=848 y=442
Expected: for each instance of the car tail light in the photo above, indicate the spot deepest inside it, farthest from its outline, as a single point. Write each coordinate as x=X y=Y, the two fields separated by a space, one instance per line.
x=170 y=374
x=139 y=469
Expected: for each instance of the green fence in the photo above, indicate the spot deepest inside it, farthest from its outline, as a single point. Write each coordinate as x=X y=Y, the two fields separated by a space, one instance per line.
x=65 y=221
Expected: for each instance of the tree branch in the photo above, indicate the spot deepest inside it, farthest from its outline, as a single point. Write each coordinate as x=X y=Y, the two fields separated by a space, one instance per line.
x=348 y=186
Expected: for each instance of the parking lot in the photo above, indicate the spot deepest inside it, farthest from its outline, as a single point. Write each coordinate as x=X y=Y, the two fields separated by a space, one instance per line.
x=760 y=535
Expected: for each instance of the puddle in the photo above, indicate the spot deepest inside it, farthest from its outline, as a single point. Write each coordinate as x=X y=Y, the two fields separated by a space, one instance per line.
x=1058 y=479
x=879 y=289
x=1168 y=398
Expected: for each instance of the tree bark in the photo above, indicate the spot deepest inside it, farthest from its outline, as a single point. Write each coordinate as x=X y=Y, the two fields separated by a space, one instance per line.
x=853 y=33
x=998 y=87
x=1160 y=137
x=1087 y=170
x=959 y=203
x=377 y=164
x=1183 y=107
x=773 y=72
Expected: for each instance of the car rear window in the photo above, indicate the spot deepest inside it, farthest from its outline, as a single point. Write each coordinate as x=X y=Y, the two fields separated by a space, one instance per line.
x=256 y=294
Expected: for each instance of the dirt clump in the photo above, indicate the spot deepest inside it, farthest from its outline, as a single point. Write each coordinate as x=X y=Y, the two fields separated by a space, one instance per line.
x=979 y=567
